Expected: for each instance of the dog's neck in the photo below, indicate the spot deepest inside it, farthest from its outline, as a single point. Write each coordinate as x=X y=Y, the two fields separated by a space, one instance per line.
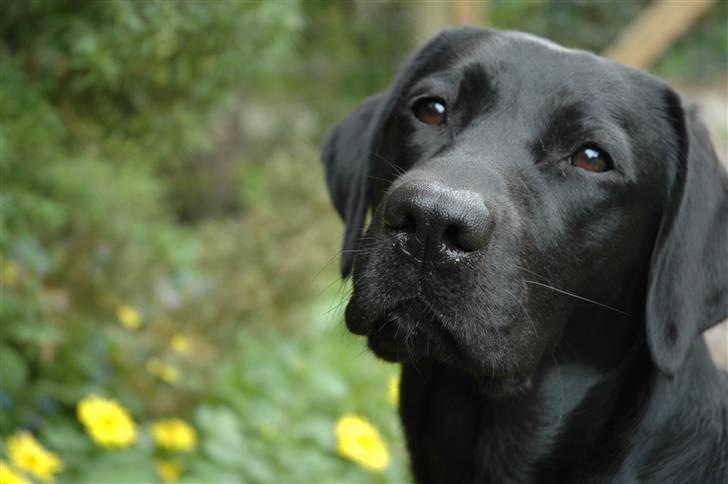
x=560 y=422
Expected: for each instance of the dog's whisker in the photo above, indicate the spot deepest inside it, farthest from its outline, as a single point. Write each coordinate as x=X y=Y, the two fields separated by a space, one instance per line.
x=410 y=354
x=500 y=344
x=333 y=258
x=335 y=307
x=330 y=261
x=398 y=169
x=561 y=384
x=328 y=286
x=339 y=300
x=567 y=293
x=357 y=252
x=526 y=269
x=372 y=177
x=523 y=307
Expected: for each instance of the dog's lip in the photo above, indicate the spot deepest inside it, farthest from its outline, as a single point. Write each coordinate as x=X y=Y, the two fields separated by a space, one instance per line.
x=394 y=343
x=429 y=339
x=357 y=325
x=384 y=342
x=362 y=323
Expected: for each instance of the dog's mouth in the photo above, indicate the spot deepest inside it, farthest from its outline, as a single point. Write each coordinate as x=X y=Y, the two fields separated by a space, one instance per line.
x=408 y=331
x=392 y=341
x=413 y=331
x=400 y=337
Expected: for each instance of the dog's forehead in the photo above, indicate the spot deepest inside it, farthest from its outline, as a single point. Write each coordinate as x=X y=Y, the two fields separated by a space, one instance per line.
x=544 y=67
x=533 y=39
x=524 y=64
x=523 y=75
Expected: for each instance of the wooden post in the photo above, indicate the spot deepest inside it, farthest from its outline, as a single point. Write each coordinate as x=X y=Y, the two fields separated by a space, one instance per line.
x=660 y=24
x=469 y=12
x=430 y=16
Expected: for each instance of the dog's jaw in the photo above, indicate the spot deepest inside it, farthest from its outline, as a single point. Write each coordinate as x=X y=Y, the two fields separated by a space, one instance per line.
x=410 y=333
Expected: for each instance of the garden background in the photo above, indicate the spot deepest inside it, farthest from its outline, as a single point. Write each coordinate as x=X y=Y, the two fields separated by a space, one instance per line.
x=170 y=305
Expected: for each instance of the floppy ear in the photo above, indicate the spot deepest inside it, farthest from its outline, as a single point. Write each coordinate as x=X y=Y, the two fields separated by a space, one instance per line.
x=688 y=278
x=346 y=155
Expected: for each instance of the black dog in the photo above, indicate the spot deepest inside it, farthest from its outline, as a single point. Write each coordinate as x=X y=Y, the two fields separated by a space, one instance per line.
x=549 y=238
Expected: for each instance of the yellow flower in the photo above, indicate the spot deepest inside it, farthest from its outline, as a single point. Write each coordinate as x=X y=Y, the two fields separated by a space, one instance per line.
x=8 y=476
x=393 y=389
x=180 y=343
x=128 y=316
x=174 y=434
x=27 y=454
x=166 y=373
x=9 y=273
x=169 y=374
x=108 y=423
x=359 y=441
x=168 y=470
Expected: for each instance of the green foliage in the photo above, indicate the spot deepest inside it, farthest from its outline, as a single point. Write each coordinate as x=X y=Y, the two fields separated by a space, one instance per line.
x=589 y=25
x=702 y=54
x=137 y=79
x=118 y=120
x=267 y=423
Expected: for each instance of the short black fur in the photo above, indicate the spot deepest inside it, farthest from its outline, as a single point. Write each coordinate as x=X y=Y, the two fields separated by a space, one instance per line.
x=547 y=318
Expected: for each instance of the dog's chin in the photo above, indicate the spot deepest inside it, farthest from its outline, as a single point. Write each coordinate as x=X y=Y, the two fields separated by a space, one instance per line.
x=504 y=387
x=388 y=339
x=392 y=349
x=390 y=342
x=407 y=332
x=389 y=349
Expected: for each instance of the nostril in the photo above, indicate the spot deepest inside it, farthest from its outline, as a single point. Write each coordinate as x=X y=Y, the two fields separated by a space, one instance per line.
x=465 y=238
x=451 y=239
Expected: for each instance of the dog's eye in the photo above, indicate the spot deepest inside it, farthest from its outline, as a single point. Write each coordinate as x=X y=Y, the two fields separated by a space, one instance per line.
x=430 y=110
x=591 y=158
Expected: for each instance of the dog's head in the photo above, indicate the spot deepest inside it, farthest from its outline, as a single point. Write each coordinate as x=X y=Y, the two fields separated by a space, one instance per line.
x=521 y=192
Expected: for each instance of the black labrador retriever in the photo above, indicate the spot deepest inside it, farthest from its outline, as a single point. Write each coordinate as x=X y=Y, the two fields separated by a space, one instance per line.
x=548 y=241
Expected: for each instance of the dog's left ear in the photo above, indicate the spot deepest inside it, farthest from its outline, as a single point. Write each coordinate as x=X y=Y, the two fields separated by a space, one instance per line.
x=688 y=278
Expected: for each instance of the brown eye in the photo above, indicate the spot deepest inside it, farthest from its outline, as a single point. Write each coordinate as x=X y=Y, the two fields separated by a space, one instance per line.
x=592 y=159
x=430 y=110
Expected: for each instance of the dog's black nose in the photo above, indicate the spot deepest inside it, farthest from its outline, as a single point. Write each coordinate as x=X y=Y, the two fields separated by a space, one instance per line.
x=436 y=223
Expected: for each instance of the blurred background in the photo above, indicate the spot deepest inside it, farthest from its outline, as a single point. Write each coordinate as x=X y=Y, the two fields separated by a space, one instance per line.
x=171 y=303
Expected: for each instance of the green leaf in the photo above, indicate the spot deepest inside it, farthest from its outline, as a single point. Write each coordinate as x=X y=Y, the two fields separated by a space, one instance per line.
x=223 y=441
x=118 y=467
x=13 y=370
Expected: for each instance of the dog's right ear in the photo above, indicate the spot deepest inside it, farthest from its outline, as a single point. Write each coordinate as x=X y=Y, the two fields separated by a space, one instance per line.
x=346 y=156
